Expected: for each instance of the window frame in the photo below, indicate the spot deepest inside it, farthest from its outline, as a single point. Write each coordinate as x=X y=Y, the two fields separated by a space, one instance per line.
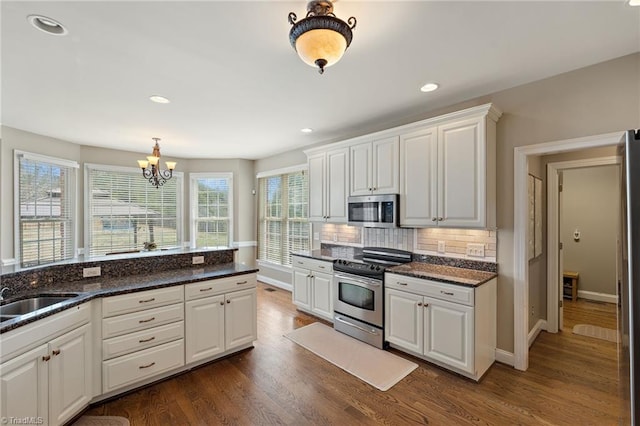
x=179 y=176
x=285 y=219
x=193 y=204
x=73 y=189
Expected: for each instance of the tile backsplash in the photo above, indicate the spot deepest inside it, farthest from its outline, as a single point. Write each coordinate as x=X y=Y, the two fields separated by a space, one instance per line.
x=417 y=240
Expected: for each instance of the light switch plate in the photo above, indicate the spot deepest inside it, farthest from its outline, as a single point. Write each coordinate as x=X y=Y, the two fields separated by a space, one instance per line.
x=197 y=260
x=475 y=250
x=91 y=272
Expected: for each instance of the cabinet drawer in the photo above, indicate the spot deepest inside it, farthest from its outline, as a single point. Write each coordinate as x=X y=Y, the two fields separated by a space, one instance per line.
x=138 y=301
x=312 y=264
x=219 y=286
x=450 y=292
x=136 y=321
x=132 y=368
x=122 y=345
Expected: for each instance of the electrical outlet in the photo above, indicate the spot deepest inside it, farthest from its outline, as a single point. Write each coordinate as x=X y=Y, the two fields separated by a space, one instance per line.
x=475 y=250
x=91 y=272
x=197 y=260
x=441 y=247
x=335 y=238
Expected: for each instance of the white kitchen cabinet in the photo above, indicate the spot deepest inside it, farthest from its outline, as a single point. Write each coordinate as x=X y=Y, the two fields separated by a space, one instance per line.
x=52 y=381
x=447 y=171
x=450 y=325
x=218 y=317
x=313 y=286
x=328 y=185
x=374 y=167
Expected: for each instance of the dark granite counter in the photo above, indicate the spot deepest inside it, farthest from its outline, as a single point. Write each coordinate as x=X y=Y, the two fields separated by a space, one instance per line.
x=443 y=273
x=89 y=289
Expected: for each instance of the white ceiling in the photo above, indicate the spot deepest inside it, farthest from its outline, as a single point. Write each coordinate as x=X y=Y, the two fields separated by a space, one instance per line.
x=238 y=89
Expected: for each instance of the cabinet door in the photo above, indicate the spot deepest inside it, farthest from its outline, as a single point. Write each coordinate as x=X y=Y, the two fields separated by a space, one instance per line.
x=418 y=178
x=360 y=170
x=385 y=164
x=461 y=173
x=317 y=201
x=70 y=374
x=322 y=300
x=24 y=385
x=404 y=320
x=337 y=186
x=240 y=321
x=204 y=328
x=448 y=333
x=301 y=291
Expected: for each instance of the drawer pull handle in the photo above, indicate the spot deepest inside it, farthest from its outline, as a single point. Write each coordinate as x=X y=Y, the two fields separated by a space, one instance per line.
x=321 y=267
x=206 y=289
x=241 y=282
x=147 y=340
x=147 y=301
x=300 y=263
x=55 y=352
x=147 y=320
x=399 y=283
x=46 y=358
x=448 y=293
x=147 y=366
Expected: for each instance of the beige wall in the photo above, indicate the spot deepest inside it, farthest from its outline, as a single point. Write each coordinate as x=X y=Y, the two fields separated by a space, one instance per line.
x=591 y=204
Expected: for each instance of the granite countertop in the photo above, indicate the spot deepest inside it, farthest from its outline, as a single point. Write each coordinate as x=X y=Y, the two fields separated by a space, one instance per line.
x=103 y=287
x=315 y=254
x=443 y=273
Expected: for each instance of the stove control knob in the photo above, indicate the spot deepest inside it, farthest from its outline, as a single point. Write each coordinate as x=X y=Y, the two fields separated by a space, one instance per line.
x=372 y=267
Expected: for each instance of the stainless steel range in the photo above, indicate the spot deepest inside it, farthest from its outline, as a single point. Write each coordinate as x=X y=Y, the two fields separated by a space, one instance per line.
x=359 y=293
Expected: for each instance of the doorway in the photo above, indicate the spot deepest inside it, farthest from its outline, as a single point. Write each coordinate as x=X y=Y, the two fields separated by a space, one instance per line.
x=583 y=222
x=520 y=228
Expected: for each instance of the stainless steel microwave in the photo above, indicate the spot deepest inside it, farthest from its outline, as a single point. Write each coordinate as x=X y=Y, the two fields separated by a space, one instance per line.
x=373 y=211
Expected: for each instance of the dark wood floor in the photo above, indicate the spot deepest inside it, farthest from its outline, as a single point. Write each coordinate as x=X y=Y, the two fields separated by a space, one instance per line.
x=572 y=380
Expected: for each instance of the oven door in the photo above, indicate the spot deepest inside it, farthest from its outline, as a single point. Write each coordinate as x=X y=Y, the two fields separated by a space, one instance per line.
x=359 y=297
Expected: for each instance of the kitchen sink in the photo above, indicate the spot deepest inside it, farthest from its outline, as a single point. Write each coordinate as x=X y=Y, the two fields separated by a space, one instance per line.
x=25 y=306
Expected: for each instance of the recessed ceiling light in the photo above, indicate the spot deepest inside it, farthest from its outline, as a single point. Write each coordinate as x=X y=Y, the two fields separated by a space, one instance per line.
x=634 y=2
x=48 y=25
x=306 y=130
x=429 y=87
x=159 y=99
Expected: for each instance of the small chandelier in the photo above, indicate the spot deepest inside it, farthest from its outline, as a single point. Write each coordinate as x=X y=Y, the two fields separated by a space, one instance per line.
x=156 y=176
x=320 y=38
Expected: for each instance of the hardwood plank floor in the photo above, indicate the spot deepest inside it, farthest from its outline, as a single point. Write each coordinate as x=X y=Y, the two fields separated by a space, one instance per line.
x=572 y=380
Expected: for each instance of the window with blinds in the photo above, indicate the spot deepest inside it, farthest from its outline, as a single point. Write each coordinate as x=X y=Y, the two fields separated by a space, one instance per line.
x=125 y=211
x=211 y=209
x=283 y=217
x=45 y=208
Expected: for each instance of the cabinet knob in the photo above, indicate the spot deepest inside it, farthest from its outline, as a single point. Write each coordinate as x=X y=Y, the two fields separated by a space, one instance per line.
x=440 y=219
x=55 y=352
x=46 y=358
x=419 y=303
x=426 y=305
x=434 y=219
x=228 y=301
x=370 y=189
x=221 y=303
x=375 y=189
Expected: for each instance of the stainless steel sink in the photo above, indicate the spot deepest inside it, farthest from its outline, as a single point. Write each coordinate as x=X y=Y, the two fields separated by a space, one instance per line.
x=25 y=306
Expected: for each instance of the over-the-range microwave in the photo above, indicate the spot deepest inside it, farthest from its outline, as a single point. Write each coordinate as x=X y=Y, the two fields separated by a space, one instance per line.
x=373 y=211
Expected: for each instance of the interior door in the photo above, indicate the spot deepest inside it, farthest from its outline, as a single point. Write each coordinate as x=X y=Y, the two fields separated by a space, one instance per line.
x=560 y=257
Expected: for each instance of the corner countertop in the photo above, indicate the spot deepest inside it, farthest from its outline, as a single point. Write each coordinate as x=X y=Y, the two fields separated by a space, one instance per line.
x=443 y=273
x=103 y=287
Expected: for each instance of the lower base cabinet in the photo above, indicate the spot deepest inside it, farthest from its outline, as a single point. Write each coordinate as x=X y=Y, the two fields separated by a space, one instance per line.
x=312 y=282
x=51 y=383
x=458 y=333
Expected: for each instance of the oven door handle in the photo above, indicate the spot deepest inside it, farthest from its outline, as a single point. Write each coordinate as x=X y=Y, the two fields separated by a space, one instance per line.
x=371 y=282
x=337 y=318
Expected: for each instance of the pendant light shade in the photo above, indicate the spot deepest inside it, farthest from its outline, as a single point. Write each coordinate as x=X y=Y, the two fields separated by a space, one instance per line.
x=320 y=38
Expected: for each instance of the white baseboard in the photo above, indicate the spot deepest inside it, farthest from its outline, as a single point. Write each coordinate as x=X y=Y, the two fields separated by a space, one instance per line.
x=505 y=357
x=599 y=297
x=275 y=283
x=535 y=331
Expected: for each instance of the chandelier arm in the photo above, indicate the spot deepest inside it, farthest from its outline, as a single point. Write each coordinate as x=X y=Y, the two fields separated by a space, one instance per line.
x=165 y=174
x=352 y=22
x=292 y=18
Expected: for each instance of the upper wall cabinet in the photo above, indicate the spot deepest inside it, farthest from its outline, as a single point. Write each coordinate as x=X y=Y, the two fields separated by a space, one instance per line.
x=374 y=167
x=328 y=180
x=447 y=171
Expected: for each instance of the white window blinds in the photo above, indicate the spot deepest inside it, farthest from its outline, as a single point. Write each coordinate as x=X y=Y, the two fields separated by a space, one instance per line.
x=45 y=209
x=283 y=211
x=211 y=207
x=124 y=211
